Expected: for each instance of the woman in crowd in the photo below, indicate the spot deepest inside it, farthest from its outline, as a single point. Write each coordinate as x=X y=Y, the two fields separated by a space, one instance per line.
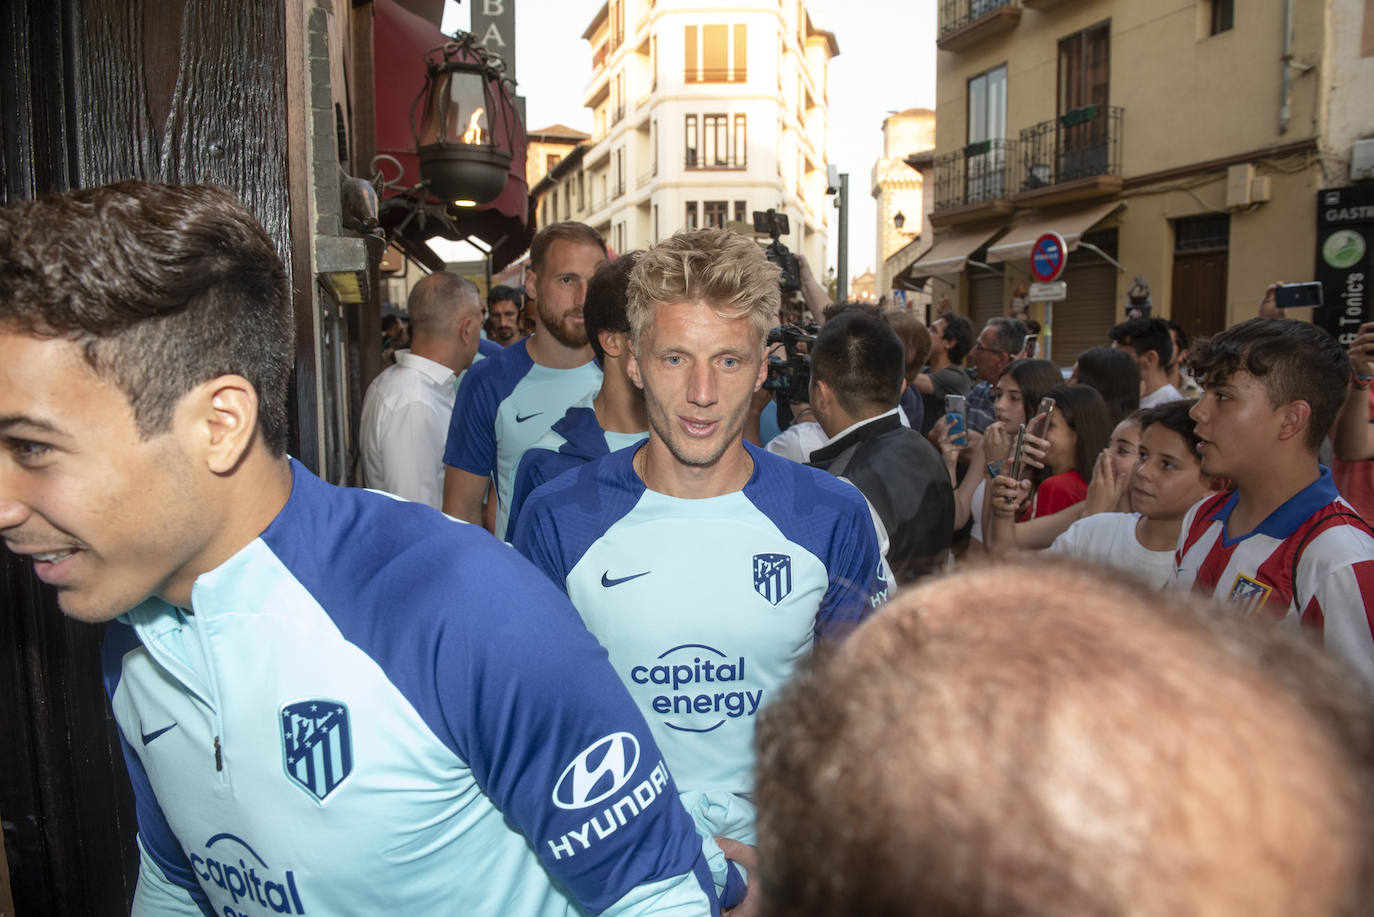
x=1116 y=376
x=1018 y=391
x=1165 y=483
x=1078 y=432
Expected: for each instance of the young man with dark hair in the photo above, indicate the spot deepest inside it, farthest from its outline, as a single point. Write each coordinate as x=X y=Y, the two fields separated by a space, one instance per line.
x=330 y=701
x=1040 y=739
x=707 y=567
x=611 y=418
x=951 y=336
x=503 y=314
x=1149 y=340
x=508 y=402
x=1283 y=545
x=857 y=369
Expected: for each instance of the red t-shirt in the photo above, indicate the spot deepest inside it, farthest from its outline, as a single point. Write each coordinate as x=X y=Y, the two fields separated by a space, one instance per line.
x=1059 y=491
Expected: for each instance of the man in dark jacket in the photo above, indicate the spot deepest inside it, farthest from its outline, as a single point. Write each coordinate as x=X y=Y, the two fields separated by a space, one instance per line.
x=857 y=375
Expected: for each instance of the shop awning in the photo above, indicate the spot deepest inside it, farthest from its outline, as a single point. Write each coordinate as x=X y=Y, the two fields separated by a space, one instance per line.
x=950 y=253
x=1071 y=224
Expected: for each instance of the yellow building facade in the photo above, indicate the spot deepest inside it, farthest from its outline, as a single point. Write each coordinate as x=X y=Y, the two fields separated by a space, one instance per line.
x=1182 y=145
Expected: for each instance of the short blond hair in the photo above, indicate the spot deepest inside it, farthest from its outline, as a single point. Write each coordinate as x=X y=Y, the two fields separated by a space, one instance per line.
x=723 y=269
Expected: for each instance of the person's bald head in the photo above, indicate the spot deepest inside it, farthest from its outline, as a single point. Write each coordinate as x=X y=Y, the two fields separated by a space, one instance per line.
x=445 y=319
x=1038 y=739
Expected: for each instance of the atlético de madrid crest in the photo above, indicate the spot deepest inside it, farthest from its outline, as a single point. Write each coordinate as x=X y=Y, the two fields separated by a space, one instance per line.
x=773 y=576
x=317 y=748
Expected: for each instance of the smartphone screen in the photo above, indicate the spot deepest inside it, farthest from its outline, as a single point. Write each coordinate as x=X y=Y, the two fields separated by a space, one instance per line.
x=954 y=416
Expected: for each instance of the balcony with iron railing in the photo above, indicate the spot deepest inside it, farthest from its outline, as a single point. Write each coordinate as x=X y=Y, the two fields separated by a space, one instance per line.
x=696 y=162
x=974 y=182
x=712 y=75
x=618 y=189
x=1076 y=155
x=965 y=23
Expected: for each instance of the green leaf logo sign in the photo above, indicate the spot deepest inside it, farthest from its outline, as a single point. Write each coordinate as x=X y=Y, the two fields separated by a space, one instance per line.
x=1343 y=249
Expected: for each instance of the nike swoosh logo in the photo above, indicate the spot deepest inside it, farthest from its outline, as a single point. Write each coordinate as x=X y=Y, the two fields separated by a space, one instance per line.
x=608 y=582
x=519 y=419
x=149 y=736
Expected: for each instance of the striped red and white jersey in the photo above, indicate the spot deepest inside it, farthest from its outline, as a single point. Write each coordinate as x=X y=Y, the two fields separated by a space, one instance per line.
x=1310 y=563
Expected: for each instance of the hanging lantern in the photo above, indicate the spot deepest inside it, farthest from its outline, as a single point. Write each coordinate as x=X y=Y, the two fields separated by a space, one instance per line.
x=461 y=161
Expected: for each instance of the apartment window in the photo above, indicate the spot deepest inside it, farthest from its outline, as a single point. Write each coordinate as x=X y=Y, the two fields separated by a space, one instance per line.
x=619 y=173
x=567 y=198
x=553 y=206
x=717 y=146
x=715 y=54
x=713 y=213
x=1223 y=16
x=581 y=190
x=691 y=221
x=1084 y=146
x=740 y=210
x=550 y=160
x=985 y=165
x=653 y=146
x=1084 y=68
x=655 y=224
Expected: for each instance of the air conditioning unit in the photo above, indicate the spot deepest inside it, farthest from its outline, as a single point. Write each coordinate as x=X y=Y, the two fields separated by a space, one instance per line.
x=1238 y=180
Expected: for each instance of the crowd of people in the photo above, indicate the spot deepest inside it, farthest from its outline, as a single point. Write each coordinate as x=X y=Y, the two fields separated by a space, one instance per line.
x=983 y=642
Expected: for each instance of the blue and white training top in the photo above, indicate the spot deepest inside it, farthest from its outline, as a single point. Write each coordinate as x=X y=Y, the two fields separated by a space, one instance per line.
x=706 y=606
x=505 y=403
x=375 y=709
x=575 y=439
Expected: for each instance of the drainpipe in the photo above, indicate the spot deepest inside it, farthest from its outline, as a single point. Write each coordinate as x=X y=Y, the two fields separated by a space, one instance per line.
x=1285 y=66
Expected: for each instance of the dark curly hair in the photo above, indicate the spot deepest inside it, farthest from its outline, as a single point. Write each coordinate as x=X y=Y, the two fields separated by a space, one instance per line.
x=1293 y=360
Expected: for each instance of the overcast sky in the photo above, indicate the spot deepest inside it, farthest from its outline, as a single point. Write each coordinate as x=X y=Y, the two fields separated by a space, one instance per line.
x=886 y=63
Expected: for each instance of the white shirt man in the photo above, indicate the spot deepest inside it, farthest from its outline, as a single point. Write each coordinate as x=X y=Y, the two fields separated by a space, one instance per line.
x=407 y=408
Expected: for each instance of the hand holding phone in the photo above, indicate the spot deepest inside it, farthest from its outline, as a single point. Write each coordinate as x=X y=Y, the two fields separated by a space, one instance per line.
x=955 y=409
x=1298 y=295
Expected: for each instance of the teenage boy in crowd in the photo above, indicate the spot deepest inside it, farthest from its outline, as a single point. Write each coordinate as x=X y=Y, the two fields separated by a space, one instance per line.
x=1283 y=544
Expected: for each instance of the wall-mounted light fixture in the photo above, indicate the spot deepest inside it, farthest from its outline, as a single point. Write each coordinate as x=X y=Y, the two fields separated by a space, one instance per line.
x=463 y=161
x=899 y=220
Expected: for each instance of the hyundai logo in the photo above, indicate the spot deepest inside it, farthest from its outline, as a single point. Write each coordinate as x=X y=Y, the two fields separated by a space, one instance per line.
x=603 y=768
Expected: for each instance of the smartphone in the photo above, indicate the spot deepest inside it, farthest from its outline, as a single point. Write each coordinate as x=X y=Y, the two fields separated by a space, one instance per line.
x=1040 y=420
x=1032 y=346
x=1016 y=452
x=955 y=409
x=1297 y=295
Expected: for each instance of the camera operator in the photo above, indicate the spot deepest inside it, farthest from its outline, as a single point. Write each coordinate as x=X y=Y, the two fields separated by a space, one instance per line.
x=857 y=370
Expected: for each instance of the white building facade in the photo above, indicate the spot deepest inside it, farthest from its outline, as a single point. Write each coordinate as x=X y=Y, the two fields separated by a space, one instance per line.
x=703 y=113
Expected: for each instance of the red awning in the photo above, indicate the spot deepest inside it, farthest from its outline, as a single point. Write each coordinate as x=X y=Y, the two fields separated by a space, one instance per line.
x=400 y=41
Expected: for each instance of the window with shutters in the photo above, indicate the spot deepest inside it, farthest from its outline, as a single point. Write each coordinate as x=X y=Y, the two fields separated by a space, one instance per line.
x=715 y=54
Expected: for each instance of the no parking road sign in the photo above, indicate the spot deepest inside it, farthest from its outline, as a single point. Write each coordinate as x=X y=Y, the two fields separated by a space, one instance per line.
x=1048 y=255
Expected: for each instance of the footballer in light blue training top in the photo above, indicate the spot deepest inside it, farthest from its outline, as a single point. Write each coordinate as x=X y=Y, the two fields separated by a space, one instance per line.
x=708 y=568
x=331 y=701
x=508 y=402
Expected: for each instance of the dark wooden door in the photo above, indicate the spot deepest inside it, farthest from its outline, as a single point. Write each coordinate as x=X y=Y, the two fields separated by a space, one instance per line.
x=1199 y=292
x=94 y=91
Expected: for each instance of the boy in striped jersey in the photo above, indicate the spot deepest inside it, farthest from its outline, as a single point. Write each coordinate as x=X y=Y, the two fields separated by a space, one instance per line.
x=1283 y=545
